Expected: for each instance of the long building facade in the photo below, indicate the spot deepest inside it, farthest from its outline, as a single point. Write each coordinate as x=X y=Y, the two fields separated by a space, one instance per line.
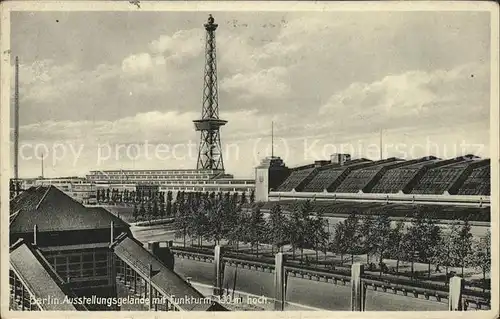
x=189 y=180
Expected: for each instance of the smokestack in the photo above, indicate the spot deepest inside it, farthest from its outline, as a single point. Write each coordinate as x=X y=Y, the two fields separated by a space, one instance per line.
x=16 y=127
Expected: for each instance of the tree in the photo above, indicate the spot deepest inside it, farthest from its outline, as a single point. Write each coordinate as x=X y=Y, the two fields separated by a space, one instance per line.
x=293 y=230
x=197 y=220
x=235 y=199
x=155 y=212
x=412 y=240
x=351 y=230
x=463 y=245
x=216 y=221
x=169 y=204
x=430 y=243
x=307 y=227
x=236 y=224
x=445 y=251
x=276 y=226
x=422 y=239
x=142 y=211
x=257 y=227
x=320 y=233
x=149 y=210
x=367 y=236
x=243 y=199
x=175 y=208
x=135 y=213
x=300 y=227
x=228 y=212
x=381 y=237
x=340 y=243
x=182 y=220
x=481 y=256
x=162 y=209
x=252 y=196
x=107 y=194
x=397 y=243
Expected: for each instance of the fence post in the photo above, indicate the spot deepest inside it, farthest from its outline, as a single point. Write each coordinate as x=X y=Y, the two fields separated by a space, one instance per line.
x=455 y=302
x=35 y=234
x=279 y=282
x=218 y=271
x=357 y=291
x=112 y=233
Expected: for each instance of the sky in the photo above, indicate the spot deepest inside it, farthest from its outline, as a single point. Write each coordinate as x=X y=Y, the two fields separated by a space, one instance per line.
x=119 y=90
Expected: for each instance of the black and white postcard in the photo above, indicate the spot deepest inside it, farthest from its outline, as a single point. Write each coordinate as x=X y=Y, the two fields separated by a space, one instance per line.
x=299 y=159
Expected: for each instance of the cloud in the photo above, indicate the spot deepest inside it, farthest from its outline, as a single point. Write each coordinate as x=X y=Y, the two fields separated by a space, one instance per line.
x=417 y=93
x=268 y=83
x=181 y=45
x=155 y=127
x=137 y=63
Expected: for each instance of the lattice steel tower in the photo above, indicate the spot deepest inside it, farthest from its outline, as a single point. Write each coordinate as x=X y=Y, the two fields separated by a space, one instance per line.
x=210 y=150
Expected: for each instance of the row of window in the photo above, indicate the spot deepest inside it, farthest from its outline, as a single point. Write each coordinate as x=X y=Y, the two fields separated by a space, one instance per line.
x=199 y=182
x=79 y=265
x=208 y=189
x=322 y=180
x=192 y=172
x=394 y=180
x=295 y=179
x=127 y=177
x=23 y=300
x=218 y=184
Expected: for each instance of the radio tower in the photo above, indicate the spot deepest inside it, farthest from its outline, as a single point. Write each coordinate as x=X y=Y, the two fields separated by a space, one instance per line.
x=210 y=150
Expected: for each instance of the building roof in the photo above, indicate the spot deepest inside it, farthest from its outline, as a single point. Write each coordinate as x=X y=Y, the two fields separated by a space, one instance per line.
x=53 y=210
x=164 y=280
x=38 y=276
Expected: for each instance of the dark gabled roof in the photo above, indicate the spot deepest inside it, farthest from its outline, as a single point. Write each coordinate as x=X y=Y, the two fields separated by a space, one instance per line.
x=39 y=277
x=52 y=210
x=165 y=280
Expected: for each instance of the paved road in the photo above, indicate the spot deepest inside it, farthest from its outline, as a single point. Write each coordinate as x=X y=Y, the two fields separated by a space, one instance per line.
x=301 y=291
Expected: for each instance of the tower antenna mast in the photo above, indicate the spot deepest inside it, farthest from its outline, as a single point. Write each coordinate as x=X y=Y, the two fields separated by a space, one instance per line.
x=210 y=150
x=16 y=128
x=43 y=155
x=272 y=139
x=381 y=152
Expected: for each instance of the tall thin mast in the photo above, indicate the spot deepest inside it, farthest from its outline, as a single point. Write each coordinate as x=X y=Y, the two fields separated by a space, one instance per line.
x=42 y=163
x=381 y=152
x=16 y=127
x=272 y=139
